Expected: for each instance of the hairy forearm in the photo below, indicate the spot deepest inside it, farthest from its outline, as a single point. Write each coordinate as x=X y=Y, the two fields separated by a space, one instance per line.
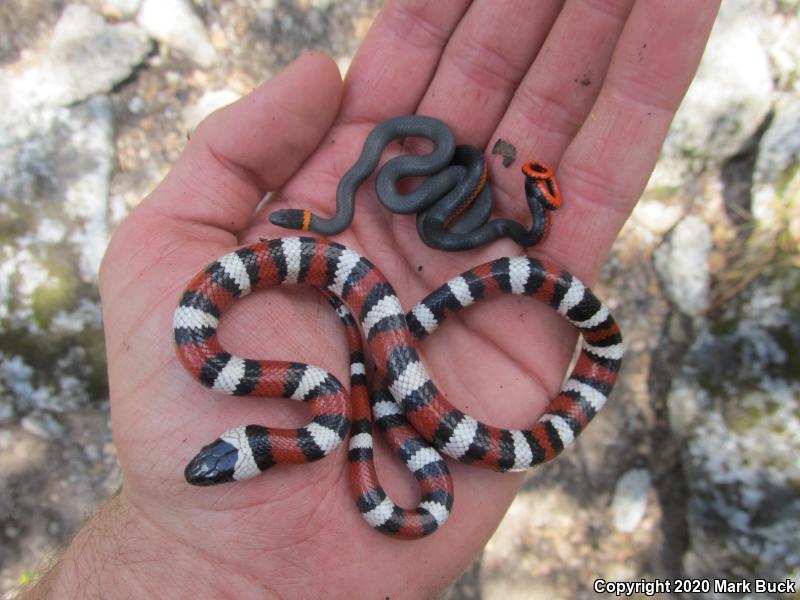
x=121 y=554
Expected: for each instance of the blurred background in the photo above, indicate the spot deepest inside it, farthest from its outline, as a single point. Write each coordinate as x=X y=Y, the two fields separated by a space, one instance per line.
x=692 y=470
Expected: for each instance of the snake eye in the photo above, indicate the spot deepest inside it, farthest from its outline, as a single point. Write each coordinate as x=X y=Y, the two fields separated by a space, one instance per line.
x=215 y=463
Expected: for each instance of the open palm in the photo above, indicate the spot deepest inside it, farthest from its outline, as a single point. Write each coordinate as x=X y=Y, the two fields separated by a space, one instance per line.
x=589 y=87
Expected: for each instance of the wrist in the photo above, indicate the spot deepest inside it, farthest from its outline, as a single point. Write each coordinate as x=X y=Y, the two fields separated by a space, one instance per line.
x=121 y=553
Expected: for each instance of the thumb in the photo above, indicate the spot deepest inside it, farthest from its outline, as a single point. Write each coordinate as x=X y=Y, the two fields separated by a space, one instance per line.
x=235 y=156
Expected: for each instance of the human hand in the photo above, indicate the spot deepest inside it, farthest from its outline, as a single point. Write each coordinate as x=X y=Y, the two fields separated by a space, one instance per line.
x=591 y=89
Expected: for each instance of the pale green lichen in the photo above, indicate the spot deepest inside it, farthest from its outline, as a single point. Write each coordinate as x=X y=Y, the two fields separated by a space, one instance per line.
x=786 y=185
x=58 y=293
x=662 y=192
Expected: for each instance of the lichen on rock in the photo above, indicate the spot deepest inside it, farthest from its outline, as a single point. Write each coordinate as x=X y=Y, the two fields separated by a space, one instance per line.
x=736 y=410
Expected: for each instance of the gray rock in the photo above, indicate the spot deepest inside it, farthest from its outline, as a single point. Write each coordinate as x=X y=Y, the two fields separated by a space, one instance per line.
x=682 y=265
x=17 y=385
x=630 y=500
x=778 y=158
x=205 y=105
x=54 y=173
x=92 y=453
x=55 y=167
x=735 y=407
x=722 y=108
x=779 y=148
x=656 y=216
x=42 y=424
x=175 y=24
x=781 y=35
x=85 y=56
x=120 y=9
x=61 y=386
x=744 y=513
x=136 y=105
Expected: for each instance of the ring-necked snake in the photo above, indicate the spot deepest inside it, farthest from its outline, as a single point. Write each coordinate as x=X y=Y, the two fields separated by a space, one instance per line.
x=408 y=407
x=453 y=204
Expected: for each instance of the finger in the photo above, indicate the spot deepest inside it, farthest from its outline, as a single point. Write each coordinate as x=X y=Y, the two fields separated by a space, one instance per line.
x=484 y=62
x=614 y=135
x=409 y=35
x=549 y=98
x=557 y=94
x=538 y=109
x=558 y=91
x=250 y=147
x=605 y=169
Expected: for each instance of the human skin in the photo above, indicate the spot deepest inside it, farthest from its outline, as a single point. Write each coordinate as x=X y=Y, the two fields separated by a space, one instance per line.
x=587 y=86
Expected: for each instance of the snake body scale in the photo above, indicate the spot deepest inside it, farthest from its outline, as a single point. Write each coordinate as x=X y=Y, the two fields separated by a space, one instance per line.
x=408 y=407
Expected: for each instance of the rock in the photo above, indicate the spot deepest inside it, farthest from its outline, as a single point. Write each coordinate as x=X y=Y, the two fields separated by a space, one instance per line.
x=136 y=105
x=782 y=34
x=722 y=108
x=92 y=453
x=91 y=132
x=21 y=452
x=17 y=386
x=735 y=408
x=744 y=513
x=682 y=265
x=120 y=9
x=85 y=56
x=55 y=175
x=777 y=164
x=5 y=440
x=42 y=424
x=655 y=216
x=6 y=407
x=174 y=23
x=630 y=500
x=208 y=103
x=55 y=168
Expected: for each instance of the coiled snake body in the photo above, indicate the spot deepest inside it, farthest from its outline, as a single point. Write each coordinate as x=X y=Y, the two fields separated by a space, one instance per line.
x=413 y=413
x=453 y=205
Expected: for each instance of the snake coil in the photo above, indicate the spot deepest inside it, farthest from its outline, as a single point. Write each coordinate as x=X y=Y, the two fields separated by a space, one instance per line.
x=417 y=420
x=453 y=204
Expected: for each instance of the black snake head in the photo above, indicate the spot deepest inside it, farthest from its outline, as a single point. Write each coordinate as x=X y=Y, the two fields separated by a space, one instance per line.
x=291 y=218
x=214 y=464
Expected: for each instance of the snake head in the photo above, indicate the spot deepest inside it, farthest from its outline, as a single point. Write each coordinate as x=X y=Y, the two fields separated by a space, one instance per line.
x=291 y=218
x=215 y=463
x=540 y=184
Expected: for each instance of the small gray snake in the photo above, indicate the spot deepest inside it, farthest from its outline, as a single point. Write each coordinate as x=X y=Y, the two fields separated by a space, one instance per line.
x=453 y=204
